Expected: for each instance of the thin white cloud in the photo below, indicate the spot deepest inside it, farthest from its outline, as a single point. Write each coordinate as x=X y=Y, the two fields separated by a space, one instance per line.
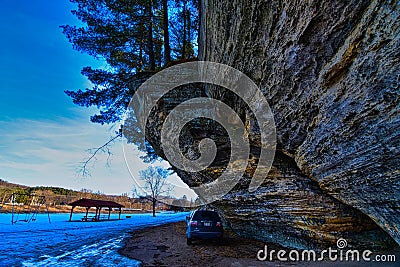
x=37 y=152
x=49 y=152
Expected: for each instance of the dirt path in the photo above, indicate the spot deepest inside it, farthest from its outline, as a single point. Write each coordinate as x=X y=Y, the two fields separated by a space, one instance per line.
x=166 y=246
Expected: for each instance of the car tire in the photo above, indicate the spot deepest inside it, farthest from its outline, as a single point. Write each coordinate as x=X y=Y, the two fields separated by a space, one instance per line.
x=188 y=241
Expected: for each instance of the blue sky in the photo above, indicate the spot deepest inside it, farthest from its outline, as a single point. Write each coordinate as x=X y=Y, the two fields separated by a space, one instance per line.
x=43 y=135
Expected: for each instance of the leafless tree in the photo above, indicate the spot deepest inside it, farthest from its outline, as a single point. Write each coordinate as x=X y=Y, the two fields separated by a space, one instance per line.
x=154 y=179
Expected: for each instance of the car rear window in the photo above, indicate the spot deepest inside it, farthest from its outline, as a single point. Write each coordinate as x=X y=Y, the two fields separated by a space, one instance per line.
x=206 y=216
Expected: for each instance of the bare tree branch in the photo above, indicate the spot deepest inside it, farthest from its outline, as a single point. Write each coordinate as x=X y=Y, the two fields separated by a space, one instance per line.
x=84 y=170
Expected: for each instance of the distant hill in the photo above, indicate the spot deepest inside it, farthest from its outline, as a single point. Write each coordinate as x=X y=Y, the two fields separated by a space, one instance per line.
x=60 y=197
x=6 y=187
x=5 y=184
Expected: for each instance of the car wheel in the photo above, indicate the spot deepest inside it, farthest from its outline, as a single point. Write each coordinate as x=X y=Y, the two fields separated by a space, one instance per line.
x=188 y=241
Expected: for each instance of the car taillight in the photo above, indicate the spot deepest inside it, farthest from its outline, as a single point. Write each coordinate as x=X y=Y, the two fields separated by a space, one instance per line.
x=193 y=223
x=219 y=224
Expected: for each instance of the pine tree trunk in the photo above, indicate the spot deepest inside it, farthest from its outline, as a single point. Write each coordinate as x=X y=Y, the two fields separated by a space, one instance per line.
x=189 y=25
x=200 y=10
x=152 y=63
x=184 y=30
x=167 y=47
x=140 y=65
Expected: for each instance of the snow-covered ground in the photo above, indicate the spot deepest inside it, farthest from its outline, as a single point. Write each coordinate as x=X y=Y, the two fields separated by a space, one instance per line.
x=64 y=243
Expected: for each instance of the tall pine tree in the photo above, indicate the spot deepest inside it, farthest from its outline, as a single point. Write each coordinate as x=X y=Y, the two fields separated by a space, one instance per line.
x=131 y=36
x=184 y=28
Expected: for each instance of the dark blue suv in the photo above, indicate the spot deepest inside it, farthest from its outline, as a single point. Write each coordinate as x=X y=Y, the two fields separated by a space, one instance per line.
x=203 y=224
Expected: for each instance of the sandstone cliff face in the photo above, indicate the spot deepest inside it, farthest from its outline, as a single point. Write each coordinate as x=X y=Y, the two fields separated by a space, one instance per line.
x=331 y=73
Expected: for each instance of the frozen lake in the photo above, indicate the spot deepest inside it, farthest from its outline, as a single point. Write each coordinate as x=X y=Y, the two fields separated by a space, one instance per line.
x=64 y=243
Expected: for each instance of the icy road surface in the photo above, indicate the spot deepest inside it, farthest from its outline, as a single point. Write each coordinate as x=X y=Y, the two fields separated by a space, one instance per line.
x=64 y=243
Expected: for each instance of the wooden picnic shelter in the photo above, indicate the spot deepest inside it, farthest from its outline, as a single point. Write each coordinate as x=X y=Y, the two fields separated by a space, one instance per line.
x=98 y=204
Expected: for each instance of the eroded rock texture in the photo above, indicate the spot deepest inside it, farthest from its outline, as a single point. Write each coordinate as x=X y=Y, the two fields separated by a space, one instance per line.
x=330 y=71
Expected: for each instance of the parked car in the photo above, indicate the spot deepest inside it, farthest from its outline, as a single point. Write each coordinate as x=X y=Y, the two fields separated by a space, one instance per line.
x=205 y=225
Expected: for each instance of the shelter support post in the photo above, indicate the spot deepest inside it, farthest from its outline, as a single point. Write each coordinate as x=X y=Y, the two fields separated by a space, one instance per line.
x=72 y=210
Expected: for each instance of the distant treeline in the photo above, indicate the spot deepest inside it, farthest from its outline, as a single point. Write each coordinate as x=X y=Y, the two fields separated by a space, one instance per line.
x=23 y=189
x=55 y=190
x=57 y=196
